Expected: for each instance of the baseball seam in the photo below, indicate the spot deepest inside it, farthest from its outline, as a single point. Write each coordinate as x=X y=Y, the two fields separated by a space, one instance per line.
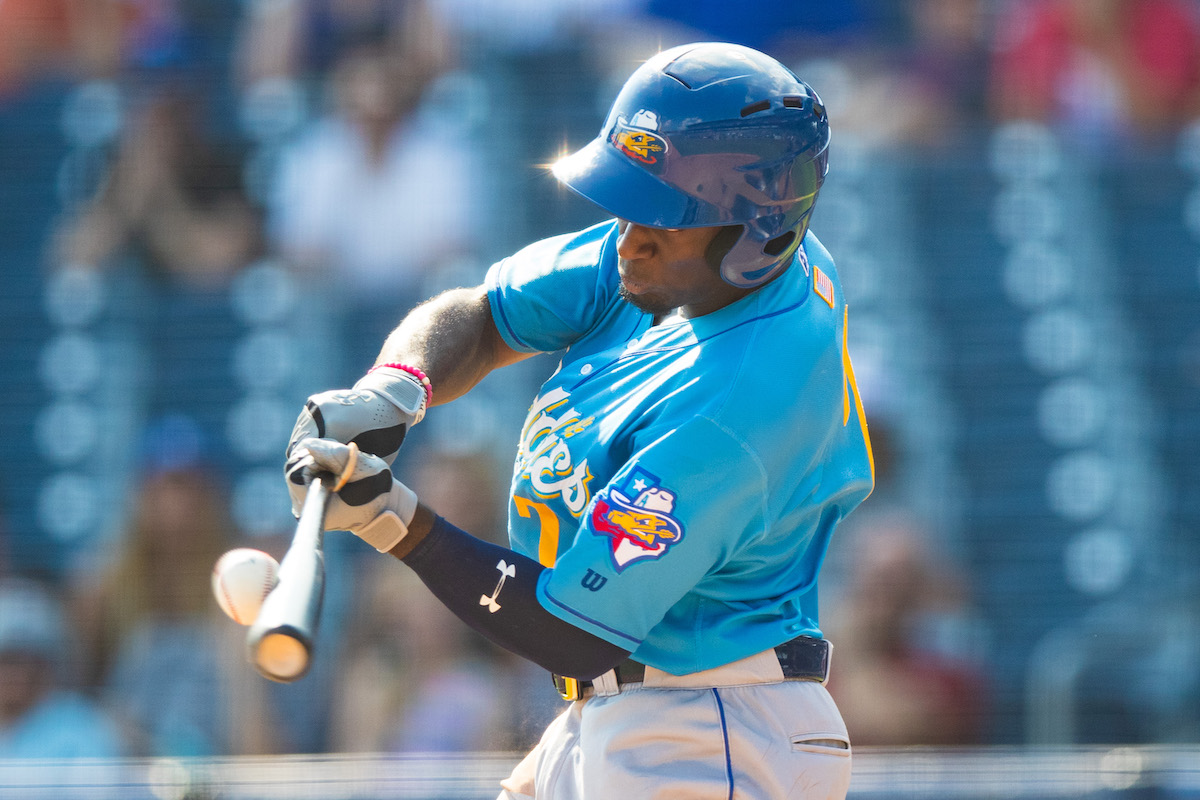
x=269 y=581
x=233 y=610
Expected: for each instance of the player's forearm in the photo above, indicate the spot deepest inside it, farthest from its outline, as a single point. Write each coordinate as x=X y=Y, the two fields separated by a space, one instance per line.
x=453 y=340
x=494 y=590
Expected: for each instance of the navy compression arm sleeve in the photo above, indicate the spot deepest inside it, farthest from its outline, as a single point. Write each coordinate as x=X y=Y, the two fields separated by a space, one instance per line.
x=463 y=572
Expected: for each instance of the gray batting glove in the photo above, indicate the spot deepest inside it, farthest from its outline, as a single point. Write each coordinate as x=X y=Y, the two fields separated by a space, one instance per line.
x=375 y=415
x=370 y=503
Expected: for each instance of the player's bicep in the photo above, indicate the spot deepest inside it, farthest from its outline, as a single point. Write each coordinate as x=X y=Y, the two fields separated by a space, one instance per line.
x=502 y=354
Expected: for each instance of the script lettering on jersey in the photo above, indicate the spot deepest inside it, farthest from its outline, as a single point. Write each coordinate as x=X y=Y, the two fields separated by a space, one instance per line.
x=638 y=517
x=545 y=455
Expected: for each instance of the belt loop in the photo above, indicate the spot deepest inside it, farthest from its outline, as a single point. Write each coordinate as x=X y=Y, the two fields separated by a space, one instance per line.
x=606 y=685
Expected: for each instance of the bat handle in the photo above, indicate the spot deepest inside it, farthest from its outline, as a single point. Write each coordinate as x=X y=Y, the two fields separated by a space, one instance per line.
x=317 y=499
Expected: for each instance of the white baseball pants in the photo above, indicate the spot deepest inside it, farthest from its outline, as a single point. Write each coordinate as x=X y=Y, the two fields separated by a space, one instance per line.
x=737 y=732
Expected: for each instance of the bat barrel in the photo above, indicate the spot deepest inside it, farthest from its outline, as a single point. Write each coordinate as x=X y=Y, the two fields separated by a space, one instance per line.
x=280 y=642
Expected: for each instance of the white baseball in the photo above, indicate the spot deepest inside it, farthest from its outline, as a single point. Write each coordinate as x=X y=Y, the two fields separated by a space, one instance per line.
x=241 y=580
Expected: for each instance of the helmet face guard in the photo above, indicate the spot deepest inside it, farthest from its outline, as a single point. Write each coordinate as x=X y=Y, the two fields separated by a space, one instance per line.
x=706 y=135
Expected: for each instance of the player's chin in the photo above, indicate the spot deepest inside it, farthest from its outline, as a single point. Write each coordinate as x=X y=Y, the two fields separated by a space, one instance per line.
x=649 y=302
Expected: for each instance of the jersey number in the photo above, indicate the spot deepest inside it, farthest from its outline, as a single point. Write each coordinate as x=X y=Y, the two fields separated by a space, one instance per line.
x=548 y=537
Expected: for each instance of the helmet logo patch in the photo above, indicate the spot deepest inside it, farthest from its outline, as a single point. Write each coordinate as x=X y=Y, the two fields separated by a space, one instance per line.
x=637 y=518
x=637 y=143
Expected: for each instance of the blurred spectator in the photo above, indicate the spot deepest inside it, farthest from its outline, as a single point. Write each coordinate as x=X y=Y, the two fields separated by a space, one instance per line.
x=383 y=192
x=504 y=28
x=414 y=677
x=34 y=41
x=173 y=201
x=1102 y=70
x=920 y=79
x=944 y=60
x=84 y=39
x=895 y=679
x=304 y=39
x=40 y=716
x=165 y=660
x=465 y=485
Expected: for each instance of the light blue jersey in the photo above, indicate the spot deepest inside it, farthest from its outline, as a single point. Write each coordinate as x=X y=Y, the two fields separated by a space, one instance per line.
x=683 y=480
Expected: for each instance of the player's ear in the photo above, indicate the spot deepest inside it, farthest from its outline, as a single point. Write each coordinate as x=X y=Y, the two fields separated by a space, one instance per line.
x=721 y=244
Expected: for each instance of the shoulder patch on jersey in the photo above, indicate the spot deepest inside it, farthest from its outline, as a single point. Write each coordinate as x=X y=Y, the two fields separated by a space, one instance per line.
x=637 y=517
x=822 y=285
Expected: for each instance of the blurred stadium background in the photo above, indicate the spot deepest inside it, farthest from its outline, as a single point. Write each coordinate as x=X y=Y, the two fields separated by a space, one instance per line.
x=211 y=208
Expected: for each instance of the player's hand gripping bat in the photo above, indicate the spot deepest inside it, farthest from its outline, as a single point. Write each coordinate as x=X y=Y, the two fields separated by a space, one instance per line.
x=281 y=640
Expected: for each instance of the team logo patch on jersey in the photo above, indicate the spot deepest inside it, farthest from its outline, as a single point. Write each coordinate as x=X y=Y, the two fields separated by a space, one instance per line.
x=640 y=145
x=823 y=285
x=638 y=519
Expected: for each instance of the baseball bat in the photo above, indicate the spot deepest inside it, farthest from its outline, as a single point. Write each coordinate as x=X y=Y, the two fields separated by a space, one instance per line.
x=281 y=640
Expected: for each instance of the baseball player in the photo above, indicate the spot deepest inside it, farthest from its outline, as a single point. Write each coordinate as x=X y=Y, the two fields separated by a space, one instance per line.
x=678 y=478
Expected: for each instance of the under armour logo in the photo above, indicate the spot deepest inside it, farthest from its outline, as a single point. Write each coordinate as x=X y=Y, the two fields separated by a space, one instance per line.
x=506 y=571
x=593 y=581
x=348 y=397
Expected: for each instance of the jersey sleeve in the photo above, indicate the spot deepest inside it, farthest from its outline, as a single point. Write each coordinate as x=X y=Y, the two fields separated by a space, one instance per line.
x=552 y=292
x=673 y=514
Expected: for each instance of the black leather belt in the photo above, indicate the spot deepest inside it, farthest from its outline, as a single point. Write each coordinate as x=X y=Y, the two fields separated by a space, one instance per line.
x=802 y=659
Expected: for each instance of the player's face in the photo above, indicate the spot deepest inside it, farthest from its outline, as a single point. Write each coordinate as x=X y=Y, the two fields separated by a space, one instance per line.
x=663 y=269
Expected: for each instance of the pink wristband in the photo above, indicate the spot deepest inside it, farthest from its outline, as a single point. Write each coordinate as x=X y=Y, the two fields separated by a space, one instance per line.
x=416 y=373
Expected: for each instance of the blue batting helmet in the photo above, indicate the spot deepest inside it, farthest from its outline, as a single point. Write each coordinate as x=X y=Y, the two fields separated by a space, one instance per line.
x=711 y=134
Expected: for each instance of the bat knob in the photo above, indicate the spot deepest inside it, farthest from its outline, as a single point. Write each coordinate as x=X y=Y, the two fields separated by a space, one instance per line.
x=281 y=656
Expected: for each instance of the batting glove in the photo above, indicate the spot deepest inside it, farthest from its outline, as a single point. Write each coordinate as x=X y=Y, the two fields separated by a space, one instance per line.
x=371 y=504
x=375 y=414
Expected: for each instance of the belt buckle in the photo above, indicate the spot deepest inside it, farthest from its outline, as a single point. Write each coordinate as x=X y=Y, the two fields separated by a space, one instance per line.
x=568 y=688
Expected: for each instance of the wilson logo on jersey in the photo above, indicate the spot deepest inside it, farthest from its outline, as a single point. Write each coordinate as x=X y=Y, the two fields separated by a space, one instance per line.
x=637 y=144
x=637 y=517
x=545 y=456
